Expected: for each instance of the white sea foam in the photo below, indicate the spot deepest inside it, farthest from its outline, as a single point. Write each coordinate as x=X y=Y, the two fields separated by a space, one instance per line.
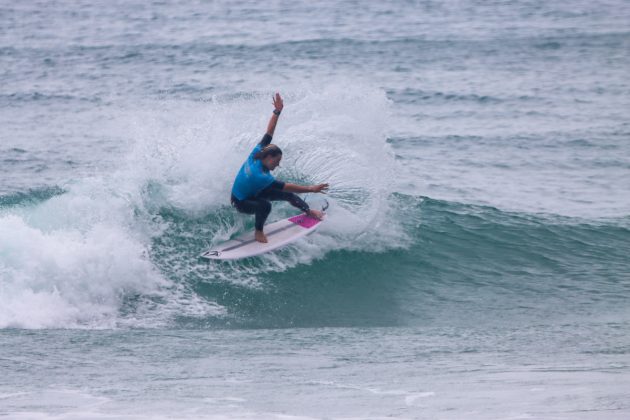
x=61 y=277
x=72 y=261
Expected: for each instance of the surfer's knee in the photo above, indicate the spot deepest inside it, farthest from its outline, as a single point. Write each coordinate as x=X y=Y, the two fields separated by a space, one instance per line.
x=265 y=206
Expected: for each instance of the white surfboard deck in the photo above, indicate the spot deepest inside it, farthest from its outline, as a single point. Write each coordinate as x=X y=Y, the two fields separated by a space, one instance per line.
x=279 y=234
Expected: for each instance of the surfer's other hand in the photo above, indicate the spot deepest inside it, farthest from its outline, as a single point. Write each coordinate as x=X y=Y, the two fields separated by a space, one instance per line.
x=320 y=188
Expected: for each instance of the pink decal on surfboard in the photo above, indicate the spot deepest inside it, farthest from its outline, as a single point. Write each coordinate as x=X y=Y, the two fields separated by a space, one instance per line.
x=304 y=221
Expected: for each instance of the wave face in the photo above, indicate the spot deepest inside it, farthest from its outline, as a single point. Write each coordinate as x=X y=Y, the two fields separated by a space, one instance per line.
x=461 y=265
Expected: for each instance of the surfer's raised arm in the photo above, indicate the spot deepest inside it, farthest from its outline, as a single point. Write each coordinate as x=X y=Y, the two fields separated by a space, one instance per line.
x=271 y=127
x=278 y=104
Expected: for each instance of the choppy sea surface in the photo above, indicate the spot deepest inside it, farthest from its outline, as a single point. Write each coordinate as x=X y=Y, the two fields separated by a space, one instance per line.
x=475 y=263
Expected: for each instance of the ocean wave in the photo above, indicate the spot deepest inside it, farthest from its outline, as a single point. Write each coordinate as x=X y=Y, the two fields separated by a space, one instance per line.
x=476 y=263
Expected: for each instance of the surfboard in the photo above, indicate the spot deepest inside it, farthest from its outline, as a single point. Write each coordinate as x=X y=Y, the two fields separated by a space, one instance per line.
x=279 y=234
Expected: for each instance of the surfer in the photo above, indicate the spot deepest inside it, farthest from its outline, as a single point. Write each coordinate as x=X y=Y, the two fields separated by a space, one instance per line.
x=255 y=186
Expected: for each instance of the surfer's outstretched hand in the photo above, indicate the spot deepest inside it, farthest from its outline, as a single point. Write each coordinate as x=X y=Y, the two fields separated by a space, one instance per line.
x=278 y=104
x=321 y=188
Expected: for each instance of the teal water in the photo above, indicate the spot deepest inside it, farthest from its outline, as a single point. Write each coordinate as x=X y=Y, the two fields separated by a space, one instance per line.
x=474 y=263
x=544 y=370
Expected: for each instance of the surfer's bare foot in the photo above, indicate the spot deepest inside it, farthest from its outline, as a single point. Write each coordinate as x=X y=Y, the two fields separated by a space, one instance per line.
x=316 y=214
x=259 y=235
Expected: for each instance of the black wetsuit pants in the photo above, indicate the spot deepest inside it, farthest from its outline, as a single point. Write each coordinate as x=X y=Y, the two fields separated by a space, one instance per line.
x=260 y=204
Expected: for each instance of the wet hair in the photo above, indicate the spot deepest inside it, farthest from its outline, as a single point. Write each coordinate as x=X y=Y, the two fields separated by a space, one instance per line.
x=269 y=150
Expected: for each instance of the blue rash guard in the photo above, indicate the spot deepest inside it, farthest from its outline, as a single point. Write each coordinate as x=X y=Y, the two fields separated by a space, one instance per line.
x=253 y=177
